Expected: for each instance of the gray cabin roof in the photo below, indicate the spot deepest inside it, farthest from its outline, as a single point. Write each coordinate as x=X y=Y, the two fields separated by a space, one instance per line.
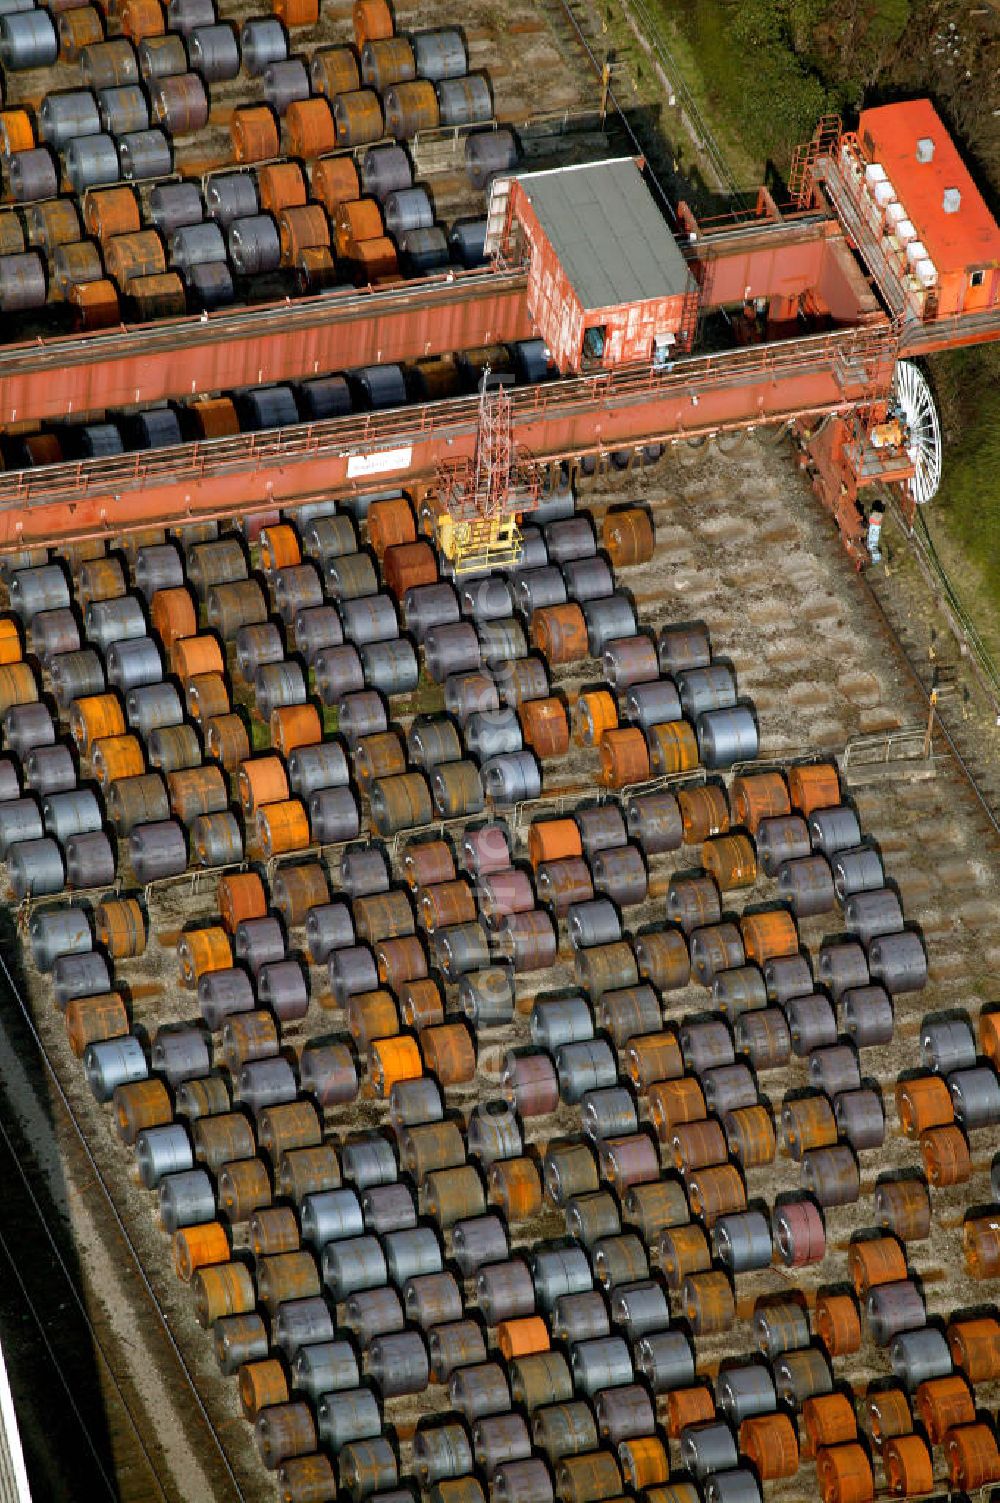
x=611 y=239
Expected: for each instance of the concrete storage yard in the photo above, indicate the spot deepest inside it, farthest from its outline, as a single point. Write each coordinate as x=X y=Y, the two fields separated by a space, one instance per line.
x=580 y=1152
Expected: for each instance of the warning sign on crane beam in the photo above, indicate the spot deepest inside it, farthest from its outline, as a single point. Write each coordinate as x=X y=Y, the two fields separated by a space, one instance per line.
x=379 y=463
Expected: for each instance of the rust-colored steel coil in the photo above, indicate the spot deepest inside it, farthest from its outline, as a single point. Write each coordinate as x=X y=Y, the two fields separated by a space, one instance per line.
x=981 y=1246
x=946 y=1156
x=873 y=1261
x=335 y=71
x=757 y=796
x=908 y=1466
x=142 y=18
x=197 y=1247
x=813 y=785
x=280 y=185
x=226 y=740
x=273 y=1229
x=445 y=903
x=195 y=655
x=807 y=1123
x=262 y=1384
x=594 y=714
x=644 y=1461
x=673 y=748
x=828 y=1419
x=627 y=536
x=156 y=297
x=307 y=1171
x=93 y=718
x=240 y=896
x=420 y=1003
x=769 y=934
x=449 y=1053
x=196 y=790
x=244 y=1187
x=114 y=757
x=559 y=633
x=696 y=1145
x=516 y=1187
x=356 y=221
x=372 y=260
x=293 y=726
x=887 y=1413
x=89 y=1020
x=136 y=255
x=391 y=1060
x=214 y=417
x=653 y=1057
x=844 y=1474
x=247 y=1036
x=99 y=579
x=254 y=133
x=121 y=927
x=770 y=1444
x=944 y=1403
x=79 y=28
x=583 y=1478
x=688 y=1406
x=16 y=131
x=334 y=182
x=287 y=1126
x=973 y=1458
x=358 y=117
x=302 y=227
x=454 y=1194
x=427 y=862
x=207 y=697
x=111 y=212
x=545 y=726
x=371 y=1015
x=674 y=1101
x=383 y=915
x=200 y=951
x=174 y=616
x=903 y=1207
x=922 y=1103
x=11 y=650
x=372 y=20
x=279 y=547
x=139 y=1104
x=683 y=1250
x=730 y=860
x=285 y=1276
x=750 y=1135
x=704 y=812
x=628 y=1160
x=380 y=755
x=663 y=958
x=222 y=1289
x=296 y=889
x=390 y=522
x=309 y=128
x=714 y=1191
x=654 y=1205
x=262 y=780
x=837 y=1323
x=522 y=1336
x=975 y=1347
x=708 y=1302
x=553 y=840
x=407 y=566
x=624 y=758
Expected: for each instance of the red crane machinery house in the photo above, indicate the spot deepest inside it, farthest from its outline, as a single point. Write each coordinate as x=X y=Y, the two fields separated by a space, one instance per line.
x=607 y=282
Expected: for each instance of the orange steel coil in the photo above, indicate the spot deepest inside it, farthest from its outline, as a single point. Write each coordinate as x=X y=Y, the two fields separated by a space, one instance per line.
x=158 y=296
x=553 y=840
x=173 y=615
x=888 y=1414
x=16 y=132
x=945 y=1152
x=652 y=1057
x=372 y=19
x=215 y=417
x=684 y=1250
x=296 y=12
x=10 y=642
x=110 y=211
x=594 y=714
x=973 y=1459
x=704 y=812
x=357 y=220
x=316 y=269
x=280 y=185
x=624 y=758
x=391 y=1060
x=207 y=696
x=295 y=725
x=731 y=860
x=708 y=1302
x=644 y=1461
x=750 y=1135
x=874 y=1261
x=975 y=1347
x=944 y=1403
x=829 y=1420
x=142 y=18
x=922 y=1103
x=769 y=934
x=813 y=785
x=837 y=1323
x=545 y=727
x=334 y=182
x=908 y=1467
x=115 y=757
x=226 y=740
x=254 y=133
x=198 y=1247
x=981 y=1246
x=695 y=1145
x=372 y=261
x=302 y=887
x=390 y=522
x=244 y=1187
x=716 y=1190
x=844 y=1474
x=94 y=718
x=382 y=915
x=559 y=632
x=283 y=827
x=808 y=1123
x=446 y=903
x=121 y=927
x=771 y=1446
x=688 y=1406
x=279 y=547
x=94 y=304
x=240 y=896
x=515 y=1186
x=628 y=536
x=675 y=1101
x=407 y=565
x=521 y=1337
x=757 y=796
x=222 y=1289
x=262 y=1384
x=192 y=656
x=130 y=256
x=79 y=28
x=140 y=1104
x=262 y=780
x=196 y=790
x=200 y=951
x=989 y=1035
x=449 y=1053
x=303 y=227
x=88 y=1020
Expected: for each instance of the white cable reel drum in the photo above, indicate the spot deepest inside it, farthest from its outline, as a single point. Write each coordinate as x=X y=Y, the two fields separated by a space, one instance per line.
x=913 y=397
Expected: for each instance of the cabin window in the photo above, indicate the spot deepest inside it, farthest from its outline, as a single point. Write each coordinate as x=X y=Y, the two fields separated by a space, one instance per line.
x=594 y=341
x=977 y=279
